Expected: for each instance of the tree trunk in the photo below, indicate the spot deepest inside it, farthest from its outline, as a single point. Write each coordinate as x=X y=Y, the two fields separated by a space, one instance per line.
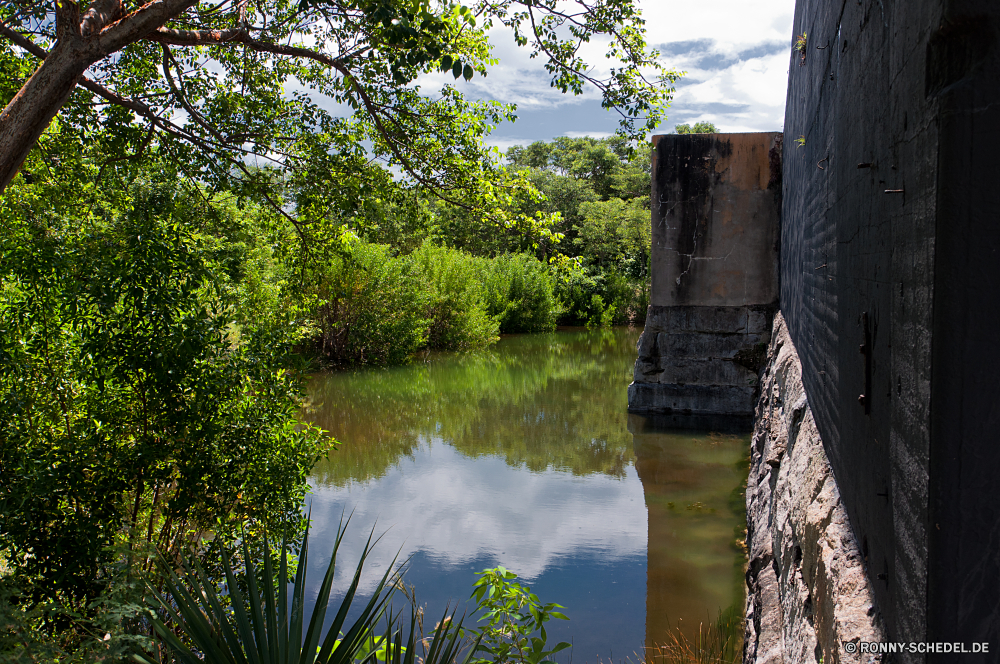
x=36 y=103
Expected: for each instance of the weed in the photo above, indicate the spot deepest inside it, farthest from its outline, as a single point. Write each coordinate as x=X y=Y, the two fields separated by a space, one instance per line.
x=800 y=46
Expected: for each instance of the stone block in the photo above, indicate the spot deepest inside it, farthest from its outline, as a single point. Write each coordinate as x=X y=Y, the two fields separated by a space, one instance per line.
x=701 y=371
x=690 y=399
x=702 y=345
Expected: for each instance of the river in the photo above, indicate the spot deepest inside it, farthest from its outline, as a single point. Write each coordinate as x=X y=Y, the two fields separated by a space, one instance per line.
x=524 y=456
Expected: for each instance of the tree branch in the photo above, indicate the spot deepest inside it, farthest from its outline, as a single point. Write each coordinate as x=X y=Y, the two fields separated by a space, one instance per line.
x=22 y=41
x=100 y=14
x=240 y=36
x=179 y=94
x=141 y=22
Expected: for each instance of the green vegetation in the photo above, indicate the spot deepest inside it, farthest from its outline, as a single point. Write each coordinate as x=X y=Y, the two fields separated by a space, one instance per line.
x=800 y=46
x=598 y=192
x=703 y=127
x=187 y=229
x=252 y=619
x=216 y=82
x=137 y=412
x=515 y=620
x=253 y=622
x=375 y=306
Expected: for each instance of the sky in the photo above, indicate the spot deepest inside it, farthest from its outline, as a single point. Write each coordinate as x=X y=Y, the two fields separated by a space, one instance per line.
x=457 y=511
x=736 y=54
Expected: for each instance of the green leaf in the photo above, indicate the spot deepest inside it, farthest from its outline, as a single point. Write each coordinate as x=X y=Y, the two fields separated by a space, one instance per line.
x=467 y=72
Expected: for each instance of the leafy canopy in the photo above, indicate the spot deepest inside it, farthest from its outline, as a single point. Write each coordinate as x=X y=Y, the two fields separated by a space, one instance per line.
x=326 y=92
x=134 y=411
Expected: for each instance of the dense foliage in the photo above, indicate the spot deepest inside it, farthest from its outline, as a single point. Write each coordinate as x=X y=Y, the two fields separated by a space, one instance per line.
x=136 y=411
x=378 y=307
x=221 y=85
x=599 y=191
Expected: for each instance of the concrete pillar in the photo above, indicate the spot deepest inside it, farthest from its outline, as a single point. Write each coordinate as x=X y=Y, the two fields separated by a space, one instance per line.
x=716 y=203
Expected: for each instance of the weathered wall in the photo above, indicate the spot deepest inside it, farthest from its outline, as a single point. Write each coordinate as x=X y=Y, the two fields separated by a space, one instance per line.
x=891 y=246
x=807 y=589
x=715 y=230
x=715 y=206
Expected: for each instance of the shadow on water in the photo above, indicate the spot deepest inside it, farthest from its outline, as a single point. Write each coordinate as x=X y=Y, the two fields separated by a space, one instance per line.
x=525 y=456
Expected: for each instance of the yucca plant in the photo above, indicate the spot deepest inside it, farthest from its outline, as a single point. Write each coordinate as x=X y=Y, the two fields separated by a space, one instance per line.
x=261 y=627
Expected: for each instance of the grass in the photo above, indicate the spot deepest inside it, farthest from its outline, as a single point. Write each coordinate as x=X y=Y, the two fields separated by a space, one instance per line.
x=720 y=642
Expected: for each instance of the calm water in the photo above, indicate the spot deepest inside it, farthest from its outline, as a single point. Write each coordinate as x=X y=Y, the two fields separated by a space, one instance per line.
x=524 y=456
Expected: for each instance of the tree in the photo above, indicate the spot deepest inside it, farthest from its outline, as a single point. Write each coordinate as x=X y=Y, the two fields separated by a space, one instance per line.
x=219 y=83
x=703 y=127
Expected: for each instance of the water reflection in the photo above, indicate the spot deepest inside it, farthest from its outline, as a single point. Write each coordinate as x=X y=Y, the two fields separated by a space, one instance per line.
x=523 y=456
x=691 y=485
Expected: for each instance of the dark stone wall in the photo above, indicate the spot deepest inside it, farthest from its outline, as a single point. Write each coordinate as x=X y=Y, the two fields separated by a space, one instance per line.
x=890 y=262
x=963 y=73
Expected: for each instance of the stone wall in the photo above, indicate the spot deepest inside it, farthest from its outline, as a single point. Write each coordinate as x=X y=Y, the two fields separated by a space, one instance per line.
x=807 y=588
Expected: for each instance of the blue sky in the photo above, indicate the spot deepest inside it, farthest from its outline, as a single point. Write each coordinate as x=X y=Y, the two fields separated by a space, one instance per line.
x=736 y=54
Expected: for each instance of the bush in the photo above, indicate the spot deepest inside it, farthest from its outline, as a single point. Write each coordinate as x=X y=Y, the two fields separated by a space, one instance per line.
x=598 y=298
x=521 y=294
x=629 y=297
x=378 y=308
x=128 y=415
x=372 y=307
x=456 y=295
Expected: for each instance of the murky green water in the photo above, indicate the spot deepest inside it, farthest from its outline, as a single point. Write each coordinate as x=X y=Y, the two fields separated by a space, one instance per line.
x=524 y=456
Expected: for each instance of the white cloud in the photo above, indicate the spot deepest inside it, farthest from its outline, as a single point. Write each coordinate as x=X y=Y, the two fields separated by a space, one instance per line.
x=736 y=55
x=458 y=510
x=735 y=23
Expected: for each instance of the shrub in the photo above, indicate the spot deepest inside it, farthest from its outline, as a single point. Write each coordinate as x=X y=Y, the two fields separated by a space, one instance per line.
x=598 y=298
x=515 y=620
x=378 y=308
x=128 y=416
x=628 y=297
x=372 y=307
x=521 y=294
x=456 y=295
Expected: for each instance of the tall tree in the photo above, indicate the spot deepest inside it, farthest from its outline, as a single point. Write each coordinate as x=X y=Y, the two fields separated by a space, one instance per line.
x=228 y=80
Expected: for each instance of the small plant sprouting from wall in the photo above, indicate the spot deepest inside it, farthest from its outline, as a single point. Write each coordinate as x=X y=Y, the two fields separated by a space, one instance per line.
x=800 y=46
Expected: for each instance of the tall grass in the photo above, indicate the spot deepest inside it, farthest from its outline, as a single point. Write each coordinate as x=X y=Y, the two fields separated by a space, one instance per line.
x=718 y=642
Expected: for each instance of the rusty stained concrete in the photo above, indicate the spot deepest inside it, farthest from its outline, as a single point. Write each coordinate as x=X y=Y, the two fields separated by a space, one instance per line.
x=716 y=202
x=715 y=205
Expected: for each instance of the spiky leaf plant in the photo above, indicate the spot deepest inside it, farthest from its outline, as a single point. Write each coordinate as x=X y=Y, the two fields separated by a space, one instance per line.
x=259 y=626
